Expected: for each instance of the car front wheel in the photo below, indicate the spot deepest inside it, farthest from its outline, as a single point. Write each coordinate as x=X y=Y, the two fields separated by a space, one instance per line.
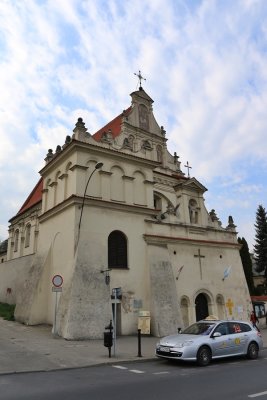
x=203 y=356
x=253 y=351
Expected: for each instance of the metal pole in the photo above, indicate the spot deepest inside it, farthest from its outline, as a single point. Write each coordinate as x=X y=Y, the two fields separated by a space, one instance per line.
x=115 y=322
x=97 y=166
x=139 y=343
x=55 y=318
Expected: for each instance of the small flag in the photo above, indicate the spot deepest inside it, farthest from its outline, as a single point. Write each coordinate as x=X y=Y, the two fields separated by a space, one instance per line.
x=226 y=273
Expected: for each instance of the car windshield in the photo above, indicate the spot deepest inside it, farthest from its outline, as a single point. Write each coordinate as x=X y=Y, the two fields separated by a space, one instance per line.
x=199 y=328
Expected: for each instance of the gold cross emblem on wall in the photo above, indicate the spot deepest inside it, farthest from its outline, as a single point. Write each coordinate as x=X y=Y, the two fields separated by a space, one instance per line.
x=230 y=306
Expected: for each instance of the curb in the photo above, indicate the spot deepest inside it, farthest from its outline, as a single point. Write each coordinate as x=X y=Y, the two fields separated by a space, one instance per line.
x=124 y=361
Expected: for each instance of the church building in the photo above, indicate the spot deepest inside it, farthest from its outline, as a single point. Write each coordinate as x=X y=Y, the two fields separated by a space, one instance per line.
x=115 y=216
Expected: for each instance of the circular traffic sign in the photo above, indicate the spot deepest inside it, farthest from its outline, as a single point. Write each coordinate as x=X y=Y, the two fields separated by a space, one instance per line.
x=57 y=280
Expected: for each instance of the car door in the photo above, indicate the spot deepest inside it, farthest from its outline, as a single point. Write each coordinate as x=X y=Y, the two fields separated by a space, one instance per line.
x=221 y=345
x=238 y=337
x=244 y=336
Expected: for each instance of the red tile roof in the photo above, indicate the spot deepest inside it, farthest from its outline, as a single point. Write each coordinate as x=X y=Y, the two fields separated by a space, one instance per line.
x=114 y=126
x=34 y=197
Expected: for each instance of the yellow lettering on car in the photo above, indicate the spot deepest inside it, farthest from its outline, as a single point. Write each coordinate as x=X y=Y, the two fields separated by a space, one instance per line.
x=237 y=341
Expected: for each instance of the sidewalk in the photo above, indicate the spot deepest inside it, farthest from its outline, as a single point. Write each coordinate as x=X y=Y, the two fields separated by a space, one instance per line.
x=33 y=348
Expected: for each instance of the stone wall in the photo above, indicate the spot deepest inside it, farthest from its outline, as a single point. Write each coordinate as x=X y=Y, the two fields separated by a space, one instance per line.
x=165 y=312
x=13 y=274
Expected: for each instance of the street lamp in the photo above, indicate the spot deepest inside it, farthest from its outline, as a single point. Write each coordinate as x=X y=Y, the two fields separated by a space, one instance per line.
x=97 y=166
x=107 y=276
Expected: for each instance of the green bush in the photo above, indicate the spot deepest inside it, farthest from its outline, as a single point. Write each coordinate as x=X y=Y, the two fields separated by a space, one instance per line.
x=7 y=311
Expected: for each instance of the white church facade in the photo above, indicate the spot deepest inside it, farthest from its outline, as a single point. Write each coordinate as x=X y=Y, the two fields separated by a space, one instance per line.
x=114 y=210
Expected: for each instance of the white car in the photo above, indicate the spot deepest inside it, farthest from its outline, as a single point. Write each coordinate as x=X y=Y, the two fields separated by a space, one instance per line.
x=206 y=340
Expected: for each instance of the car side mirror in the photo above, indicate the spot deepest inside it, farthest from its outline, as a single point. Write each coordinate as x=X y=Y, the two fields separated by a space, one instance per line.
x=216 y=334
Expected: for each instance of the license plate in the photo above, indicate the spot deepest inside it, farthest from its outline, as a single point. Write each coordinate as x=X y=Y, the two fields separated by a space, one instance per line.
x=165 y=349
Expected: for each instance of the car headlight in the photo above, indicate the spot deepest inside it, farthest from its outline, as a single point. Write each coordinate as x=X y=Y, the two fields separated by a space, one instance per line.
x=186 y=343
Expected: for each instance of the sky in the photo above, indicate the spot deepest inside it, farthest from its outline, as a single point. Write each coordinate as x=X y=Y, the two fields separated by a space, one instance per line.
x=205 y=64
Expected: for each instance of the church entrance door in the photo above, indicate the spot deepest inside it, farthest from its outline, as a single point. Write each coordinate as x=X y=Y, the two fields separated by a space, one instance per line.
x=202 y=309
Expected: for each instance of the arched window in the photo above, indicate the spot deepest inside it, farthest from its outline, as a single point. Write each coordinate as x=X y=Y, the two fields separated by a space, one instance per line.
x=117 y=250
x=16 y=240
x=27 y=235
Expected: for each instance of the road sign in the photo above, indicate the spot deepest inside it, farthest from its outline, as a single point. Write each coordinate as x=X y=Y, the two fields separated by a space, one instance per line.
x=57 y=280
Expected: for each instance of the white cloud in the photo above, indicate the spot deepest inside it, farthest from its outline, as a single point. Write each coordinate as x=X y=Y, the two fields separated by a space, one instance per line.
x=205 y=64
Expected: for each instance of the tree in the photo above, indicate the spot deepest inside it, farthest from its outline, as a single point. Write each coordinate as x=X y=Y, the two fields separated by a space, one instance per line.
x=260 y=248
x=247 y=264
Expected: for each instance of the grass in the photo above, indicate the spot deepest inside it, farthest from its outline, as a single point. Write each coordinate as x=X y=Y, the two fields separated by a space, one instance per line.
x=7 y=311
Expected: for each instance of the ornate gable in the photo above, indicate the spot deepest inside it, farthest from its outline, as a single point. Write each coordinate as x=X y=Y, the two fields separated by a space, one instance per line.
x=192 y=185
x=142 y=117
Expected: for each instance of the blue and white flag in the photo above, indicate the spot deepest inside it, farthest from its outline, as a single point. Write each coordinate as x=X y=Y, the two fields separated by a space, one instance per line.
x=226 y=273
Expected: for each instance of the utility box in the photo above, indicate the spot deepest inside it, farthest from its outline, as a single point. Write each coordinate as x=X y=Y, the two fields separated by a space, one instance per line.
x=108 y=338
x=144 y=322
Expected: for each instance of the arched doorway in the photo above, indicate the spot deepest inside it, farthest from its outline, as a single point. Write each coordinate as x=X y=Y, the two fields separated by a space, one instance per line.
x=202 y=309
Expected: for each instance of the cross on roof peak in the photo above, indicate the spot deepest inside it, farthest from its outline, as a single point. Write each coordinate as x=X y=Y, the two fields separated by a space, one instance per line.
x=140 y=77
x=188 y=167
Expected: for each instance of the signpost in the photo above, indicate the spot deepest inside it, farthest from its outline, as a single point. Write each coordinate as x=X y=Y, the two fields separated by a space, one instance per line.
x=57 y=281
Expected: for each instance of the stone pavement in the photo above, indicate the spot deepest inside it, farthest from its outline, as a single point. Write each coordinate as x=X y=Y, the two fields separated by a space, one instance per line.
x=34 y=348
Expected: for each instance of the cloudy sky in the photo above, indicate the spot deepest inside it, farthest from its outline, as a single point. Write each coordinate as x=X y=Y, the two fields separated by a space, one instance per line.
x=205 y=63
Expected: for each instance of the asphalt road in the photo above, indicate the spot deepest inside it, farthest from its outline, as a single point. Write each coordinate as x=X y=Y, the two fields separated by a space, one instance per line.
x=235 y=379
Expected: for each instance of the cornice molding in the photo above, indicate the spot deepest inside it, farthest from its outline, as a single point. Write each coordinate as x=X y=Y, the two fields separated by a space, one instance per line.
x=62 y=176
x=191 y=229
x=95 y=149
x=128 y=178
x=78 y=166
x=100 y=203
x=164 y=240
